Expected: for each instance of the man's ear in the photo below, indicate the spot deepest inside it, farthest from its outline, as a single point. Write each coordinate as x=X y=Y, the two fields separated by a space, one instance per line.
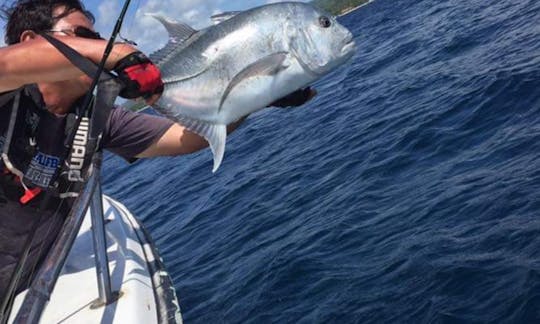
x=27 y=35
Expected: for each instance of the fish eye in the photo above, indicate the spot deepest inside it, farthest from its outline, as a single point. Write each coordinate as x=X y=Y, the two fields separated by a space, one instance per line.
x=324 y=22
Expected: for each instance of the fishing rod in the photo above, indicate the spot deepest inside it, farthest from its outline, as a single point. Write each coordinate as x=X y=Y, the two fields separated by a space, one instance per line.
x=9 y=296
x=108 y=49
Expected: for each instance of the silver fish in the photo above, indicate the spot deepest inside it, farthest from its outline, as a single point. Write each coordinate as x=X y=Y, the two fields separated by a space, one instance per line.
x=243 y=63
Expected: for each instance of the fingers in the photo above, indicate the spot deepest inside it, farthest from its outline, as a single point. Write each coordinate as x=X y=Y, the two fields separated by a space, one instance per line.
x=153 y=99
x=294 y=99
x=312 y=93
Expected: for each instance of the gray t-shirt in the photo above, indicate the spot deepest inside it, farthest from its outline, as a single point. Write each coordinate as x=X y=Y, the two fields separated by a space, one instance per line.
x=129 y=133
x=126 y=133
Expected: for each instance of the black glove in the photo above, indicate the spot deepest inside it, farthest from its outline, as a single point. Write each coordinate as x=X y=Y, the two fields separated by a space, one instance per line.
x=140 y=77
x=295 y=99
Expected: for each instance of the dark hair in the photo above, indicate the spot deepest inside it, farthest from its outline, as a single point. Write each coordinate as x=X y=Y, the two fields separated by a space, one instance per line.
x=36 y=15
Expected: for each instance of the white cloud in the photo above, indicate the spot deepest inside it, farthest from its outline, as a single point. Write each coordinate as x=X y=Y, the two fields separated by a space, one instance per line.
x=2 y=28
x=149 y=33
x=108 y=12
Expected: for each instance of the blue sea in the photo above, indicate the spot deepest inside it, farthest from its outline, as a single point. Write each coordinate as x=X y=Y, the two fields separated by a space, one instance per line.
x=407 y=191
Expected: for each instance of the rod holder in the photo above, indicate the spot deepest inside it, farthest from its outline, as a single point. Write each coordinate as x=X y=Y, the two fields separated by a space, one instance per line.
x=100 y=245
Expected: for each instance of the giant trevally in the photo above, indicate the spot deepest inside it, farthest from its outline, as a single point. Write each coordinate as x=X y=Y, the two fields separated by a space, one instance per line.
x=243 y=63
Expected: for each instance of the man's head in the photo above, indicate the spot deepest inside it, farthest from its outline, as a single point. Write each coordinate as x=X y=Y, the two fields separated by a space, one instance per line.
x=38 y=16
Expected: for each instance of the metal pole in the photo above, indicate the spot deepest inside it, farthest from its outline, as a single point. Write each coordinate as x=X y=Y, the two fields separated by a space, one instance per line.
x=100 y=245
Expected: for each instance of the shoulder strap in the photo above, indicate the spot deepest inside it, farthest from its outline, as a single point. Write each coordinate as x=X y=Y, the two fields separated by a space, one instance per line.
x=83 y=63
x=107 y=90
x=6 y=97
x=9 y=136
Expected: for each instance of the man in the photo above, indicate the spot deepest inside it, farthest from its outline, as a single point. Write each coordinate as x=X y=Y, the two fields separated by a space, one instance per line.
x=44 y=92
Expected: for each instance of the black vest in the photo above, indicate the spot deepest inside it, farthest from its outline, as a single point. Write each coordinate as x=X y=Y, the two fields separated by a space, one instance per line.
x=34 y=144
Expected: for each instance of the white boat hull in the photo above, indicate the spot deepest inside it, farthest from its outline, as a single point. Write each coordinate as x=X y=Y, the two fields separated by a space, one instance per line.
x=146 y=294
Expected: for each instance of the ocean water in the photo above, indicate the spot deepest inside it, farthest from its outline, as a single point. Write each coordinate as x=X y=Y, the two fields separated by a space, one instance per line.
x=407 y=191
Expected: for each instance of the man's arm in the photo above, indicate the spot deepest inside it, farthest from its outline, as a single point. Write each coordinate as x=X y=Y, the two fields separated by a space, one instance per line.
x=178 y=140
x=36 y=60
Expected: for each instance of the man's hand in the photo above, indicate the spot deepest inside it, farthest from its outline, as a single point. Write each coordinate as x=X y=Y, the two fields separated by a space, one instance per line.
x=295 y=99
x=141 y=78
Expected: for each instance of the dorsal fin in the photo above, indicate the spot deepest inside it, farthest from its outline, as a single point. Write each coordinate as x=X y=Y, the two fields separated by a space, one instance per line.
x=216 y=19
x=179 y=33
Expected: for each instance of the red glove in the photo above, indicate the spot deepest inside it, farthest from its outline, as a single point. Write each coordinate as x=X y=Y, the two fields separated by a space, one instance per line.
x=140 y=77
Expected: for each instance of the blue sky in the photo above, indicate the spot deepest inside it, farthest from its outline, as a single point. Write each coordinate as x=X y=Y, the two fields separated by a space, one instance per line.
x=148 y=33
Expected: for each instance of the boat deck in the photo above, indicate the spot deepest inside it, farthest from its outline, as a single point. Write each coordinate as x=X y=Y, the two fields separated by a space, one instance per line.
x=145 y=291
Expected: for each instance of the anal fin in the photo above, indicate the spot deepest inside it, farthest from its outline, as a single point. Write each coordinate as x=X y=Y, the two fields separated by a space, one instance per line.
x=215 y=134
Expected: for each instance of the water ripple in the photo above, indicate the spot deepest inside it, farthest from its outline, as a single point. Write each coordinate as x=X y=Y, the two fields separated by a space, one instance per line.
x=407 y=191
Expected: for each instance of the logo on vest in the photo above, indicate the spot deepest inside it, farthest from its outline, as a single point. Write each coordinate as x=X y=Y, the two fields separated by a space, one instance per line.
x=41 y=169
x=78 y=151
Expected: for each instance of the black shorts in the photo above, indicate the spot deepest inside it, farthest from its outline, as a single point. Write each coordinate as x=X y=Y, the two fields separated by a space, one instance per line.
x=16 y=222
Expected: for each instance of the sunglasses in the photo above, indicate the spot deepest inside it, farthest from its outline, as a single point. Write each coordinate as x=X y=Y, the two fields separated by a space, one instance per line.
x=78 y=31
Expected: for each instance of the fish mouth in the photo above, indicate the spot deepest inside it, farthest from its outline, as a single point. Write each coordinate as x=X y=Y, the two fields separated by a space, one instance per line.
x=348 y=48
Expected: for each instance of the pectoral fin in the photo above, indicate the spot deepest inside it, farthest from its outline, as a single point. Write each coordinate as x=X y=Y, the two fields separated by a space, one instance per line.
x=215 y=134
x=269 y=65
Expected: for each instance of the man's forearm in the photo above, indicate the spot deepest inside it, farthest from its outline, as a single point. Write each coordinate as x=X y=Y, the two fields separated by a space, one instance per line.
x=37 y=60
x=178 y=140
